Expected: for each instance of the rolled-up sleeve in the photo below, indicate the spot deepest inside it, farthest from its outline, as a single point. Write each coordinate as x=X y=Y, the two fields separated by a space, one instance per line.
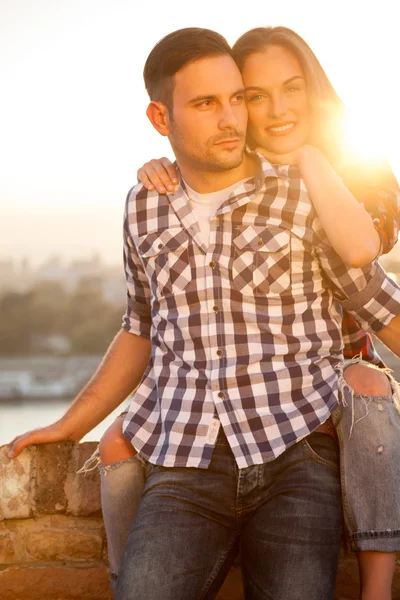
x=367 y=293
x=137 y=318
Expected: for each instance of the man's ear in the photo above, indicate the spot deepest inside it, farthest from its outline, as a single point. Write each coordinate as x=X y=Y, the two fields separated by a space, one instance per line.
x=157 y=112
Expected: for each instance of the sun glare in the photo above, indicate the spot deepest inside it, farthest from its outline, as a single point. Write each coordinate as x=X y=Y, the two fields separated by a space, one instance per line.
x=362 y=139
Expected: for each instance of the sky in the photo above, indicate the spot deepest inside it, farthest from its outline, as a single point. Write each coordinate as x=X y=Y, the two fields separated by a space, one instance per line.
x=73 y=129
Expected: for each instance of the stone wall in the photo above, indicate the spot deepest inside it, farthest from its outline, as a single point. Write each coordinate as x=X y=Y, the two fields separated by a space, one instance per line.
x=52 y=539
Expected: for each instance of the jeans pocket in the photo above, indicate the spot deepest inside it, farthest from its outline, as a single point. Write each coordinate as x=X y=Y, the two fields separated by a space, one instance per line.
x=322 y=448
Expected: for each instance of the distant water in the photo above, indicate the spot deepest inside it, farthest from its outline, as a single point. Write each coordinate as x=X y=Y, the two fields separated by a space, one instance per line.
x=19 y=416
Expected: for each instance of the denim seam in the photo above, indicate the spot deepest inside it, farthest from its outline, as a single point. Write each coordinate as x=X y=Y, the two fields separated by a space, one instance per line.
x=239 y=506
x=387 y=533
x=217 y=568
x=347 y=513
x=245 y=581
x=374 y=398
x=369 y=535
x=318 y=458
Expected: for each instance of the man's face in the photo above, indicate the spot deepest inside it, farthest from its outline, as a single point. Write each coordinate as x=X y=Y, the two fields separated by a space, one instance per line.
x=208 y=124
x=277 y=100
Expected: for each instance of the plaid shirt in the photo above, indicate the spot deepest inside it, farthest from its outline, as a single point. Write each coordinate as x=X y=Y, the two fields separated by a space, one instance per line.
x=381 y=198
x=246 y=332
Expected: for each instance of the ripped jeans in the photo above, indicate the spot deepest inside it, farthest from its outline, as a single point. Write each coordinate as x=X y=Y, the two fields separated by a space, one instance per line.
x=121 y=486
x=368 y=429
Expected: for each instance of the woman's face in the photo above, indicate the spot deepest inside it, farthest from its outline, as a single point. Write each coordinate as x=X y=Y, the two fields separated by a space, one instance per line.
x=277 y=100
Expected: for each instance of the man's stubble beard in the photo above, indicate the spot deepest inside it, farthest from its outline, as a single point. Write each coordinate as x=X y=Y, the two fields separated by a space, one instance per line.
x=209 y=158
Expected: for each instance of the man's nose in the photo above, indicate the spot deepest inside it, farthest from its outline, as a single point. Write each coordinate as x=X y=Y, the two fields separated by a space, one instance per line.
x=228 y=118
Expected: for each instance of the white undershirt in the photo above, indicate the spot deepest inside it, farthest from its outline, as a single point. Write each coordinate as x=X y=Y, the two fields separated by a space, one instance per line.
x=205 y=206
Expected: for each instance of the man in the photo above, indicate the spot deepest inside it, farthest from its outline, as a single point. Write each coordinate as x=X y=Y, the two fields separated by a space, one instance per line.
x=240 y=340
x=245 y=333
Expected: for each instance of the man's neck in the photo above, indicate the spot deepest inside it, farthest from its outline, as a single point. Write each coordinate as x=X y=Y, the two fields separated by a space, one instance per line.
x=206 y=182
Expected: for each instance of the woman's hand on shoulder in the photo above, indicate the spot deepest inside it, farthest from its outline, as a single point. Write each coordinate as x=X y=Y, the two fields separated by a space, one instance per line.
x=159 y=174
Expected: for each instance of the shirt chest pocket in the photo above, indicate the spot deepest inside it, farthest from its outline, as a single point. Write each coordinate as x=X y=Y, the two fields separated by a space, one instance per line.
x=166 y=257
x=261 y=263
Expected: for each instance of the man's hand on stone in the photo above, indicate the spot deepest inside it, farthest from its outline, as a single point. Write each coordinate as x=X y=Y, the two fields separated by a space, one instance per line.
x=43 y=435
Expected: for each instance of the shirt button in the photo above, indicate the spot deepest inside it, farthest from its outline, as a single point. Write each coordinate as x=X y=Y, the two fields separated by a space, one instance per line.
x=220 y=352
x=160 y=246
x=212 y=264
x=215 y=308
x=260 y=243
x=220 y=395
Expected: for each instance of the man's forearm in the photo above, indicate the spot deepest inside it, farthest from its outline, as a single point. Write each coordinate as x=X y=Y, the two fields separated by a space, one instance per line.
x=119 y=373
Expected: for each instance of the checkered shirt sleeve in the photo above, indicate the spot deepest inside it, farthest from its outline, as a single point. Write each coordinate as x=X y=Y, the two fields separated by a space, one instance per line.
x=137 y=318
x=368 y=294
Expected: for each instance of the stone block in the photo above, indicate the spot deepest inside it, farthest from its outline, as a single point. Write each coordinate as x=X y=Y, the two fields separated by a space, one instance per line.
x=71 y=523
x=51 y=473
x=52 y=545
x=82 y=489
x=12 y=545
x=51 y=538
x=55 y=583
x=15 y=484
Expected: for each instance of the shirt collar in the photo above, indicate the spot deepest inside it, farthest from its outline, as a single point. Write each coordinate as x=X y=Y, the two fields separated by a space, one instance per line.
x=244 y=192
x=266 y=169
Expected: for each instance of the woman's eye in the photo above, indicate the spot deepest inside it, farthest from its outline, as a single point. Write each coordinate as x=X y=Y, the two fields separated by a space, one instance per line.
x=255 y=98
x=237 y=99
x=294 y=89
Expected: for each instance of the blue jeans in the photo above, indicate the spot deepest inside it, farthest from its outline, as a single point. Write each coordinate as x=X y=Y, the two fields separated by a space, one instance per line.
x=285 y=516
x=368 y=428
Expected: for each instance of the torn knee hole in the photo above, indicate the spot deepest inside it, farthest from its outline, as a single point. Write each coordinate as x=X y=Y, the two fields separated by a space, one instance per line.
x=367 y=380
x=104 y=469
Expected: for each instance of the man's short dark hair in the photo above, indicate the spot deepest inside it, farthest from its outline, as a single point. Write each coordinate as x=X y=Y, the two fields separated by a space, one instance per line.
x=175 y=51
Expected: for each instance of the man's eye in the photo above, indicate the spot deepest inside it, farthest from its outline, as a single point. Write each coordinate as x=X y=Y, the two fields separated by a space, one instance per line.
x=294 y=89
x=204 y=104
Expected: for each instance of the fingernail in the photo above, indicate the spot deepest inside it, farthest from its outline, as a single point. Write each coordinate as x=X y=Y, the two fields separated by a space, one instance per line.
x=150 y=187
x=162 y=190
x=174 y=181
x=170 y=188
x=10 y=454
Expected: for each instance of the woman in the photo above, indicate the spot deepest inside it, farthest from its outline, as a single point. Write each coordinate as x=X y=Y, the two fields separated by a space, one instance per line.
x=295 y=119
